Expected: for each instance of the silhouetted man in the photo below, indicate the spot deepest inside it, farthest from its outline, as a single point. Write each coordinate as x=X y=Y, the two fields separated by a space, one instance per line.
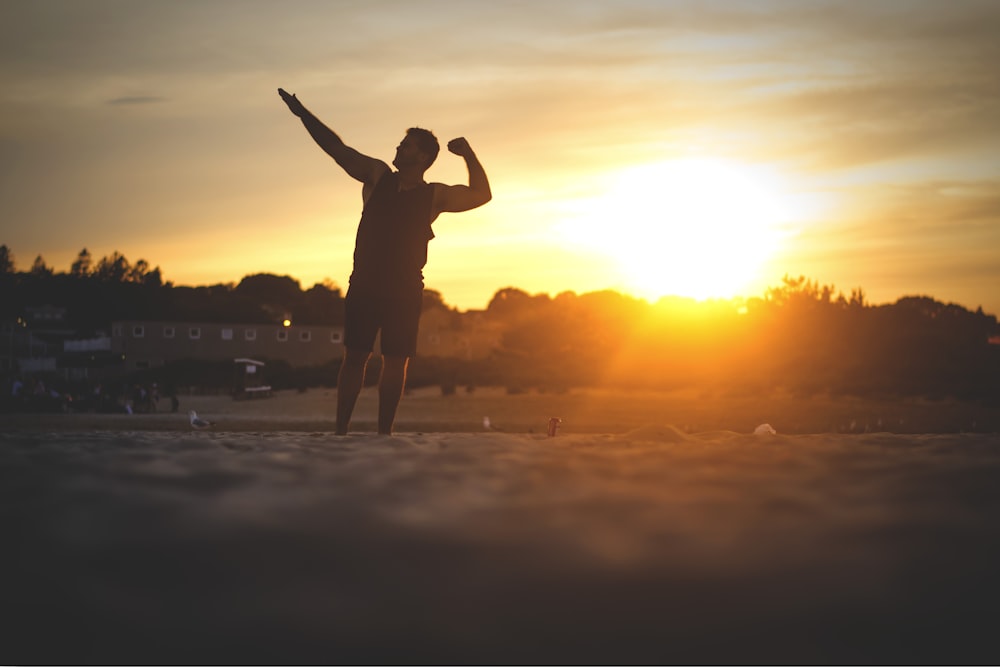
x=387 y=284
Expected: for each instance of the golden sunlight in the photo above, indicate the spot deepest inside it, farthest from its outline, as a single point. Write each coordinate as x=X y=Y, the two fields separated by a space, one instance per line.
x=696 y=227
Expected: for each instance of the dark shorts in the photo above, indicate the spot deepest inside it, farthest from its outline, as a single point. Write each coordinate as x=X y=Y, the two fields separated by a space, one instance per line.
x=398 y=317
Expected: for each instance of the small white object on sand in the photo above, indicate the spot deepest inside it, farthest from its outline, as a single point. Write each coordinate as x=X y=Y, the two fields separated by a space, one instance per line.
x=198 y=422
x=765 y=429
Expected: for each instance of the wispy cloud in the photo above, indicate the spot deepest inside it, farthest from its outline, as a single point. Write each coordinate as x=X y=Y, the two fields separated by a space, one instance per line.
x=130 y=100
x=881 y=101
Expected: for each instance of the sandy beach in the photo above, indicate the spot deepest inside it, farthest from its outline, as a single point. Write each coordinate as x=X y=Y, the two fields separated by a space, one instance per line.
x=582 y=411
x=650 y=529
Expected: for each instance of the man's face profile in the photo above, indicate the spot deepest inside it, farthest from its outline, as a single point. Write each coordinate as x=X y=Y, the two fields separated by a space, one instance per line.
x=408 y=154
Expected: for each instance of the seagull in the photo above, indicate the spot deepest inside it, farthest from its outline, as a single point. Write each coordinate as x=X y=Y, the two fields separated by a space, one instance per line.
x=198 y=422
x=488 y=425
x=765 y=429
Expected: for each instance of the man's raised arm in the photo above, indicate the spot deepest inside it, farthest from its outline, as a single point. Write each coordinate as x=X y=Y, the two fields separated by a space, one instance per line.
x=357 y=165
x=456 y=198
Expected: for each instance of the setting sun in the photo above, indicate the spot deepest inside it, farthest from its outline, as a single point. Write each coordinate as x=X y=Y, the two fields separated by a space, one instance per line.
x=698 y=227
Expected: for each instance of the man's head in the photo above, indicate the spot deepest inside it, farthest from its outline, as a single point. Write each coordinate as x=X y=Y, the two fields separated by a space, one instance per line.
x=419 y=148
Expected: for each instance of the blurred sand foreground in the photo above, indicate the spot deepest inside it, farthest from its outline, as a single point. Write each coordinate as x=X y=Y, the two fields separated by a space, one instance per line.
x=623 y=540
x=582 y=411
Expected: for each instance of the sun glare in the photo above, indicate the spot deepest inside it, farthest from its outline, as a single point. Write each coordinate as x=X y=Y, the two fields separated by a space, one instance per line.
x=695 y=227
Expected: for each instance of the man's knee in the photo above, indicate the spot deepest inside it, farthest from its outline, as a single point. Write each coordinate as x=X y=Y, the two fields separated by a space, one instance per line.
x=395 y=361
x=356 y=358
x=394 y=366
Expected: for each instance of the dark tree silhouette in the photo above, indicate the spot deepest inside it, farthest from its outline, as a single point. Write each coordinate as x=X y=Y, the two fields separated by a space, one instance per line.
x=39 y=268
x=114 y=269
x=81 y=267
x=6 y=260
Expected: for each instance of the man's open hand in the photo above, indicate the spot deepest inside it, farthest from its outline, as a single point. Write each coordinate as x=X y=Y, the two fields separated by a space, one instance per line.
x=293 y=103
x=460 y=147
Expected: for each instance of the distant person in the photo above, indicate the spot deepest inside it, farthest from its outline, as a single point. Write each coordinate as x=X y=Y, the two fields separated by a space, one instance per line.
x=387 y=283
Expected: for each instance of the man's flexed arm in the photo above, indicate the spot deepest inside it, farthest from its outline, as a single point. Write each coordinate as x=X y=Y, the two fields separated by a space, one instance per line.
x=455 y=198
x=357 y=165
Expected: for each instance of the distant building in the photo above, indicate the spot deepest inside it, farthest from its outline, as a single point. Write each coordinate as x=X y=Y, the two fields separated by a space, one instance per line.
x=145 y=344
x=8 y=333
x=23 y=349
x=100 y=343
x=89 y=358
x=149 y=344
x=47 y=319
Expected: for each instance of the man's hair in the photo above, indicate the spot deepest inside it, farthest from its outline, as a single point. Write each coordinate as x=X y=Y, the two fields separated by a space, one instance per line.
x=426 y=141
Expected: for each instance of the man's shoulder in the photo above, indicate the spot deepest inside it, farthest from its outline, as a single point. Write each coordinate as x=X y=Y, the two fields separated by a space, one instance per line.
x=381 y=171
x=375 y=180
x=439 y=189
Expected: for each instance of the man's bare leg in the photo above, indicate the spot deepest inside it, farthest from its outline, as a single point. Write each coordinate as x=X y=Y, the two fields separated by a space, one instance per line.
x=390 y=390
x=349 y=382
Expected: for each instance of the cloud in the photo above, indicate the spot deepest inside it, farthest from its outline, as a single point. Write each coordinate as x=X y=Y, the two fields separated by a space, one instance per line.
x=552 y=93
x=854 y=124
x=135 y=100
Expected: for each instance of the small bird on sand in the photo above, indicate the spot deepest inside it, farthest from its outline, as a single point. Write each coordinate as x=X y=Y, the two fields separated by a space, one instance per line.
x=198 y=422
x=765 y=429
x=488 y=425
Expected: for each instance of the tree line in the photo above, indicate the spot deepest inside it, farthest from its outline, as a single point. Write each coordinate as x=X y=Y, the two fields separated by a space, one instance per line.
x=801 y=336
x=95 y=293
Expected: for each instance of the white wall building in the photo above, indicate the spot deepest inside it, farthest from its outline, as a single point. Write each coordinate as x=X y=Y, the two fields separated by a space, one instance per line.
x=145 y=344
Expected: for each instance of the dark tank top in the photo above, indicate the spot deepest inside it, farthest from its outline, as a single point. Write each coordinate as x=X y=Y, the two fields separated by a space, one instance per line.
x=391 y=246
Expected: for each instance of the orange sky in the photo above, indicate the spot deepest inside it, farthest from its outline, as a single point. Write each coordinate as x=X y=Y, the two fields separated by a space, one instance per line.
x=651 y=147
